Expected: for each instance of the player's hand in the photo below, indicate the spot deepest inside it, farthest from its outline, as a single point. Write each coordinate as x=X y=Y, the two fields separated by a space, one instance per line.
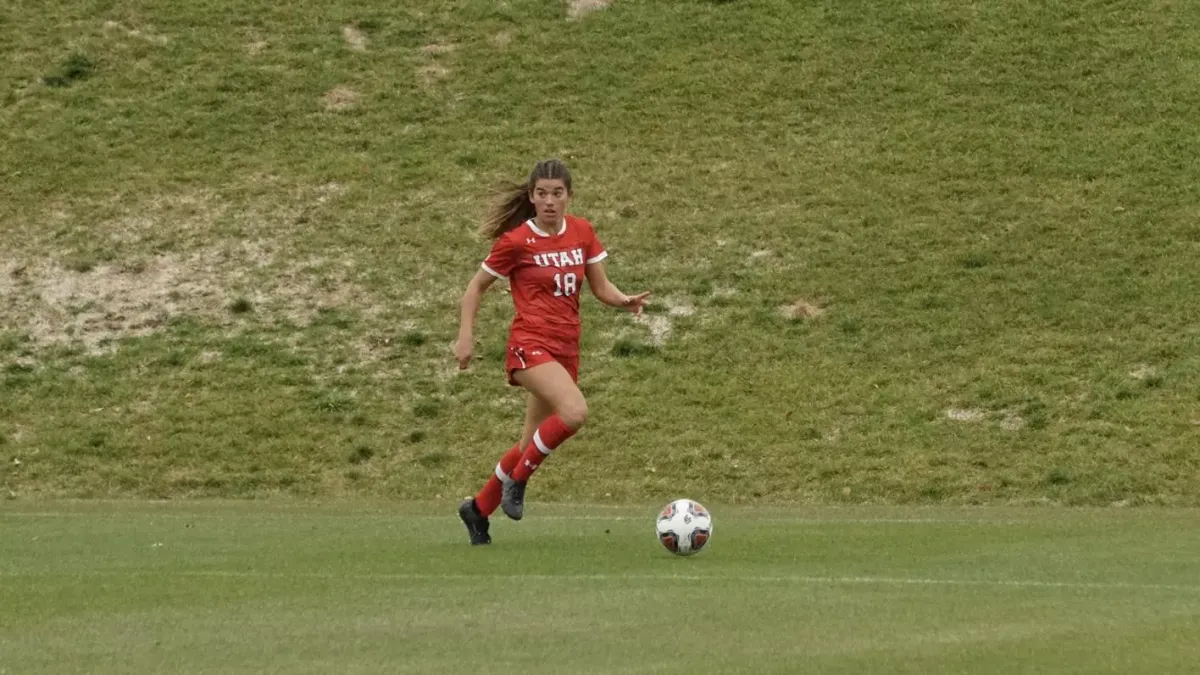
x=635 y=303
x=463 y=351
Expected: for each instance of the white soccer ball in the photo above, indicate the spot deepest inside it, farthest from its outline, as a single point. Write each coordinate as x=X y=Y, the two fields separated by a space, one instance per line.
x=684 y=527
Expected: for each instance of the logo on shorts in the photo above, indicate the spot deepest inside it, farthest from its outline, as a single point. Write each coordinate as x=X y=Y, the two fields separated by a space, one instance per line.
x=536 y=352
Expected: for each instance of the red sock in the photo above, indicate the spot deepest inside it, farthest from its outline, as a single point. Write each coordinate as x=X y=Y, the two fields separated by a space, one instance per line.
x=548 y=436
x=489 y=497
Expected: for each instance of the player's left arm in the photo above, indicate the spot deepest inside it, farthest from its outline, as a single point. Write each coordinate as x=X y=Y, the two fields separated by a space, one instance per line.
x=608 y=293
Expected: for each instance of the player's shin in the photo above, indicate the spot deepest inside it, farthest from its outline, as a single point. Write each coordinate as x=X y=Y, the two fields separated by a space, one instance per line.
x=549 y=435
x=488 y=498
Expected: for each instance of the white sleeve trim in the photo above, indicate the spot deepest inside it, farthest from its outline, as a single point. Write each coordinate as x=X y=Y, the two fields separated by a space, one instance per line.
x=492 y=272
x=598 y=257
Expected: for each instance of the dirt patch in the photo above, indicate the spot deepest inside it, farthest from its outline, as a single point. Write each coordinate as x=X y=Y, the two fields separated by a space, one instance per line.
x=330 y=190
x=1012 y=422
x=355 y=38
x=55 y=305
x=800 y=309
x=577 y=9
x=186 y=216
x=55 y=300
x=257 y=47
x=659 y=326
x=340 y=98
x=500 y=40
x=148 y=36
x=418 y=300
x=449 y=371
x=679 y=306
x=1008 y=420
x=1142 y=372
x=301 y=290
x=432 y=70
x=965 y=415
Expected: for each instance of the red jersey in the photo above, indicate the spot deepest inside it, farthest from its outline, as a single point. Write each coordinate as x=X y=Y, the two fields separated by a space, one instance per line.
x=546 y=274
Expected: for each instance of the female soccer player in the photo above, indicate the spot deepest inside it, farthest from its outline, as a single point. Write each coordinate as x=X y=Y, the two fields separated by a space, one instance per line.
x=543 y=252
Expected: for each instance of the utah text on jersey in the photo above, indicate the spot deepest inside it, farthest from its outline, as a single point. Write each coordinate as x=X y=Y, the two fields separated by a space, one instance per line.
x=559 y=258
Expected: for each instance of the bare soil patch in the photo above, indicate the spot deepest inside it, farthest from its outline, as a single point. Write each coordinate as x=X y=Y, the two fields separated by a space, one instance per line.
x=340 y=98
x=965 y=415
x=800 y=309
x=577 y=9
x=355 y=38
x=55 y=297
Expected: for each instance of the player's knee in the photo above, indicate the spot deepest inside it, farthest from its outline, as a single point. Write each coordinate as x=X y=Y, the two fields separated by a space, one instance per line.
x=574 y=413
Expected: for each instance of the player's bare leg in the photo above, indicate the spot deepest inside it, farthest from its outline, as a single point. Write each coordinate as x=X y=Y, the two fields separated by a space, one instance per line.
x=552 y=384
x=536 y=412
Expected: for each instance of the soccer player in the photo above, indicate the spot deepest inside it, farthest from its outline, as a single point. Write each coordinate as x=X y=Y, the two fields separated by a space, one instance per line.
x=544 y=254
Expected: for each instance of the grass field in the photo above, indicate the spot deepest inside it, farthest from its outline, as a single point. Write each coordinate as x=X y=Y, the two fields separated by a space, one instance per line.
x=925 y=253
x=243 y=587
x=924 y=277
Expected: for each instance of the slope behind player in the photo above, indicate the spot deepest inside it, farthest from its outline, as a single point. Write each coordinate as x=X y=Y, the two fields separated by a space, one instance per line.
x=545 y=254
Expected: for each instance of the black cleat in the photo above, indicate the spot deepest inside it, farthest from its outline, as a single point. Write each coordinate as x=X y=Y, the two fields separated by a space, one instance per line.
x=477 y=524
x=513 y=501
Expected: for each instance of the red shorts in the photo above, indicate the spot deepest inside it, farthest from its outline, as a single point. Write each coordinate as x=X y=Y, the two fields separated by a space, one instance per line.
x=526 y=355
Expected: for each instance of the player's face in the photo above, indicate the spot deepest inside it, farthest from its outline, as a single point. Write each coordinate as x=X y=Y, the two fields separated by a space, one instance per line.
x=550 y=198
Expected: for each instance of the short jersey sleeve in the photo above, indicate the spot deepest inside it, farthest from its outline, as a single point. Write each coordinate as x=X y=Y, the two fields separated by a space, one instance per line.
x=503 y=258
x=594 y=251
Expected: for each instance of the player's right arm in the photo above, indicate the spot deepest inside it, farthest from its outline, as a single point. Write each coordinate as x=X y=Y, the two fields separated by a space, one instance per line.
x=501 y=261
x=464 y=346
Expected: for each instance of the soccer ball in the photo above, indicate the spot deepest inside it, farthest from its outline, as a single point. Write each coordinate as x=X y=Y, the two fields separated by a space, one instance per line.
x=684 y=527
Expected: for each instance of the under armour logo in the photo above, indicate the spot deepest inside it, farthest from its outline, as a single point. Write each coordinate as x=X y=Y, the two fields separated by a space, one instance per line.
x=529 y=464
x=531 y=240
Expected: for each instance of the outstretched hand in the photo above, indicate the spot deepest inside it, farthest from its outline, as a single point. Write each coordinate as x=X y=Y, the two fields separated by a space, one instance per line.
x=635 y=303
x=463 y=351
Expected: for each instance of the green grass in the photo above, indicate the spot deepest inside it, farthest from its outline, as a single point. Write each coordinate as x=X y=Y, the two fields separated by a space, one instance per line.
x=234 y=242
x=103 y=587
